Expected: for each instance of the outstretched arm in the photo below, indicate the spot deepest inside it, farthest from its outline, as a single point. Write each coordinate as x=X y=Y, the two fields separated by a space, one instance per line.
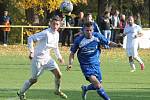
x=113 y=44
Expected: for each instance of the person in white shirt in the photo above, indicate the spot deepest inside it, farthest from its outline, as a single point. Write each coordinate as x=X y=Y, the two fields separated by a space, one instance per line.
x=41 y=59
x=133 y=32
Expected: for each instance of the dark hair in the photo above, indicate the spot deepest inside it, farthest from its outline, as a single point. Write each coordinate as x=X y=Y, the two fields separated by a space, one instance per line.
x=88 y=14
x=56 y=18
x=88 y=24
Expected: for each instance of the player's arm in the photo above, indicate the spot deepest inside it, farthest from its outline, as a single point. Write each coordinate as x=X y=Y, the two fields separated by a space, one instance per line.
x=139 y=34
x=125 y=31
x=107 y=42
x=58 y=55
x=71 y=59
x=31 y=47
x=31 y=39
x=113 y=44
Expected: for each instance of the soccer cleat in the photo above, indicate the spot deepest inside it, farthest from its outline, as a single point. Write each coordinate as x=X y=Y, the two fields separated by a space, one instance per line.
x=142 y=66
x=83 y=92
x=21 y=96
x=61 y=94
x=133 y=70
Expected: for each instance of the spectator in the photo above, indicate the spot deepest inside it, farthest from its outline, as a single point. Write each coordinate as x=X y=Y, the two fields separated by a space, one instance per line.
x=122 y=24
x=67 y=33
x=78 y=22
x=105 y=26
x=36 y=20
x=5 y=20
x=138 y=19
x=89 y=18
x=115 y=24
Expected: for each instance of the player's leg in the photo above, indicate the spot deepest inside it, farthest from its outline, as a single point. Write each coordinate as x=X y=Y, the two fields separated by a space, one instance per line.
x=28 y=83
x=58 y=75
x=138 y=59
x=53 y=67
x=131 y=62
x=93 y=75
x=98 y=86
x=132 y=65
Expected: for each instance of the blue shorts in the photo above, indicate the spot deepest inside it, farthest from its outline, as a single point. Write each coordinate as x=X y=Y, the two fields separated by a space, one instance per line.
x=91 y=70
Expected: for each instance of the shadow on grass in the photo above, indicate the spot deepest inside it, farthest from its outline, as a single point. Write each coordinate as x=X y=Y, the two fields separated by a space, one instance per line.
x=46 y=94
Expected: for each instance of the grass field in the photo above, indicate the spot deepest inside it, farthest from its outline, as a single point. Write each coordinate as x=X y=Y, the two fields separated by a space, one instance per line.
x=118 y=81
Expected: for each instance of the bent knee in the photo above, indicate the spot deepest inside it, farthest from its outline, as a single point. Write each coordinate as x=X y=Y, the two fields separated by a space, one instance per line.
x=59 y=76
x=97 y=86
x=32 y=81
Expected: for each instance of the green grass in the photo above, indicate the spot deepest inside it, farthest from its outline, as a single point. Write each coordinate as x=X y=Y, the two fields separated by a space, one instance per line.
x=118 y=82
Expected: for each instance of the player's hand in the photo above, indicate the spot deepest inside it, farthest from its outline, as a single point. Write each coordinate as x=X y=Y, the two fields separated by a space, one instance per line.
x=135 y=36
x=119 y=45
x=61 y=61
x=31 y=55
x=122 y=35
x=68 y=67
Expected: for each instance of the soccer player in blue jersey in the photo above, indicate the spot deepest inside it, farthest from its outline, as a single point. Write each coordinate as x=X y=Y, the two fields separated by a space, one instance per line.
x=88 y=51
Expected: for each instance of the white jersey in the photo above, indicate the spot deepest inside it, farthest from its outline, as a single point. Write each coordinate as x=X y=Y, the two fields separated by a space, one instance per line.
x=46 y=40
x=131 y=32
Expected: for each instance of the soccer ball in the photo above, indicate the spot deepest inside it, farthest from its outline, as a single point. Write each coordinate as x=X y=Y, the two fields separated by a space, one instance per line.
x=66 y=7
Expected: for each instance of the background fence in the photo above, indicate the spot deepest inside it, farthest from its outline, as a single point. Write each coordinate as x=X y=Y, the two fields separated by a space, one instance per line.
x=24 y=31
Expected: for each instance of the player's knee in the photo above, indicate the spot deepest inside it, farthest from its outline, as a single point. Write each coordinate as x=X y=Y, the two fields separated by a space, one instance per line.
x=32 y=81
x=97 y=86
x=59 y=75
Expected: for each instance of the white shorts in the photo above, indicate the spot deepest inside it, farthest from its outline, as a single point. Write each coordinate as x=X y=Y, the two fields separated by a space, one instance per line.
x=132 y=52
x=39 y=65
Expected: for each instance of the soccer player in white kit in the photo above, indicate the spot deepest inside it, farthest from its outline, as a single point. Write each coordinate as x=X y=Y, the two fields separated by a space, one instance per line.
x=133 y=32
x=40 y=55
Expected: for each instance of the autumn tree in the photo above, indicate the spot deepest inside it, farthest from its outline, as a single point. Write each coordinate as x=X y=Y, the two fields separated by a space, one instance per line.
x=41 y=7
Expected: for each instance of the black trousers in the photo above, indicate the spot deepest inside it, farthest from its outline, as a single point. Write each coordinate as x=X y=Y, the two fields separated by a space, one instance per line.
x=5 y=37
x=66 y=37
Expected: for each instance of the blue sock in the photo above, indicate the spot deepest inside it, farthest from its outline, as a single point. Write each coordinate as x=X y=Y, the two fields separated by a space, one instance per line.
x=103 y=94
x=90 y=87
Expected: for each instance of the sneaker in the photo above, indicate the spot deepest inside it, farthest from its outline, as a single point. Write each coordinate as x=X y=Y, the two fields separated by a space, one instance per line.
x=5 y=45
x=21 y=96
x=83 y=92
x=142 y=66
x=133 y=70
x=61 y=94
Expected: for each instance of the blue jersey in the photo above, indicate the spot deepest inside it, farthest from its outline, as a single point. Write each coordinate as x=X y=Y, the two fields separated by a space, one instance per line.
x=88 y=50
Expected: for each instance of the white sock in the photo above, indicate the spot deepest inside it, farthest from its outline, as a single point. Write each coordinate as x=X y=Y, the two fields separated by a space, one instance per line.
x=138 y=59
x=25 y=87
x=132 y=65
x=57 y=84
